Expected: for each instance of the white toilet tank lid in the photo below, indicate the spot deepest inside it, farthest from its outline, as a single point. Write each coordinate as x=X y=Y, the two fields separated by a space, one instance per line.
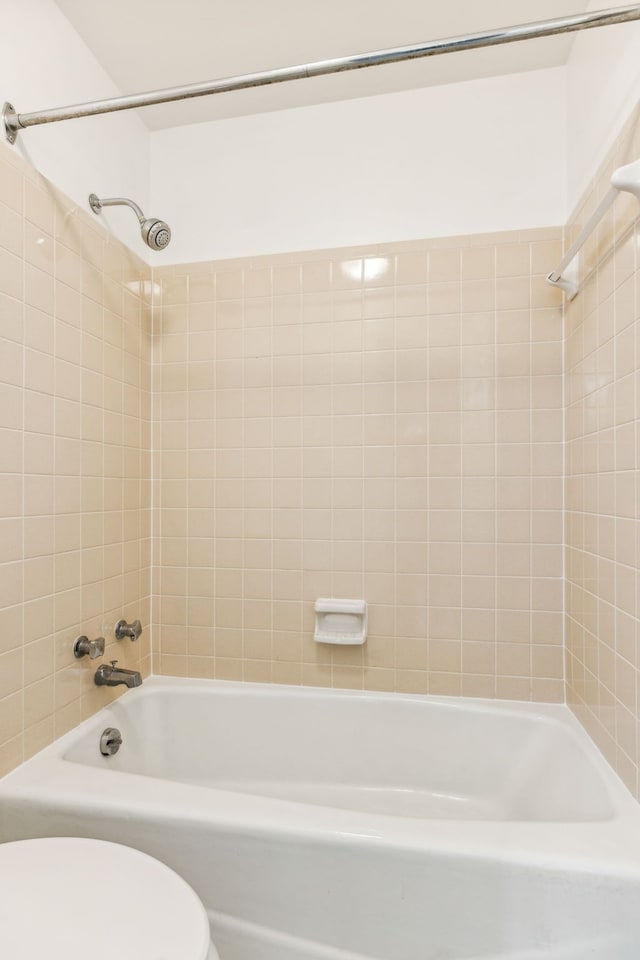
x=69 y=898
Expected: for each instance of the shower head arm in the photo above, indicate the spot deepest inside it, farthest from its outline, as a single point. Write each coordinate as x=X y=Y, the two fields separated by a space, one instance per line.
x=155 y=233
x=97 y=204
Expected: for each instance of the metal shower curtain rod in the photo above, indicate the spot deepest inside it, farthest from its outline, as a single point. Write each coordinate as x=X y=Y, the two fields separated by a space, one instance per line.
x=14 y=122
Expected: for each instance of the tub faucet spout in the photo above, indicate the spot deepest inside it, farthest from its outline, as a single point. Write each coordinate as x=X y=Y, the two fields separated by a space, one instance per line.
x=112 y=676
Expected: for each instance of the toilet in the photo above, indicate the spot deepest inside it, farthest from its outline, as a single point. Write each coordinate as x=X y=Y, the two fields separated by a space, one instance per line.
x=70 y=898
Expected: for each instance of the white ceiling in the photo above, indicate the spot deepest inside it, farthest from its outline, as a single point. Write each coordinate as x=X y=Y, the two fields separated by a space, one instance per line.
x=149 y=44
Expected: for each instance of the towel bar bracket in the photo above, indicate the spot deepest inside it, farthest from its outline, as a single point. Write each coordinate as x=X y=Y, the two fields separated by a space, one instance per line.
x=570 y=287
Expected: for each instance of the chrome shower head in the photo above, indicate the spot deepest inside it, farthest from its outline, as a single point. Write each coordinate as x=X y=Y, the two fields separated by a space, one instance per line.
x=155 y=233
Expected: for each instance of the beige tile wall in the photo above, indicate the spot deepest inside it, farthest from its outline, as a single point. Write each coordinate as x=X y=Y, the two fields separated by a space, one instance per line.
x=382 y=423
x=603 y=434
x=74 y=457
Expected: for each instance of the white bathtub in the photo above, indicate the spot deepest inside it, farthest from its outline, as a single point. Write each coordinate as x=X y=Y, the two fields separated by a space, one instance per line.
x=326 y=825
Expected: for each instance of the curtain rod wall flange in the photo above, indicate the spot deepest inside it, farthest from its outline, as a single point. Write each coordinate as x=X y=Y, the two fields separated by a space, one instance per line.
x=14 y=122
x=11 y=122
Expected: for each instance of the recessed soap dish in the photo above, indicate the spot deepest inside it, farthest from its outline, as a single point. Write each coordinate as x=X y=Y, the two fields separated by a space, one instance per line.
x=341 y=621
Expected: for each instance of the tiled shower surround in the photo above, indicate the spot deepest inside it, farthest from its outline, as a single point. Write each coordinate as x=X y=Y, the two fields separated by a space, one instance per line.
x=381 y=423
x=75 y=434
x=384 y=423
x=603 y=443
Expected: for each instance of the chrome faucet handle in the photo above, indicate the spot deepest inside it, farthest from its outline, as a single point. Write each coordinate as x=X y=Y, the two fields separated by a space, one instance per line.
x=130 y=630
x=84 y=646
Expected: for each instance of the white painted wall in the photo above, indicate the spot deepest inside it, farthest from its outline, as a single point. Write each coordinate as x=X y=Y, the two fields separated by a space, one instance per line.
x=481 y=156
x=494 y=154
x=44 y=63
x=603 y=86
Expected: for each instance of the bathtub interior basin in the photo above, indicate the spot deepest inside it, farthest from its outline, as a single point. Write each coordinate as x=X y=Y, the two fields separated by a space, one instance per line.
x=410 y=757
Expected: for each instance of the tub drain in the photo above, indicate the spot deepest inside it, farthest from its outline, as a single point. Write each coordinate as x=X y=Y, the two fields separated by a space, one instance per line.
x=110 y=741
